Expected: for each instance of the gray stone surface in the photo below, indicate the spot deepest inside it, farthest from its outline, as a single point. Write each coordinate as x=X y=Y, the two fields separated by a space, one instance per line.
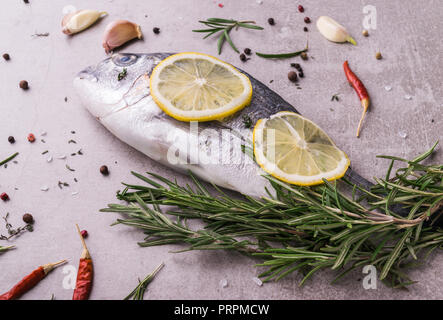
x=408 y=35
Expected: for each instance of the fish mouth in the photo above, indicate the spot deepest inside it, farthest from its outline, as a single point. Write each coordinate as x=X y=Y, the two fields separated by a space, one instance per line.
x=138 y=90
x=88 y=74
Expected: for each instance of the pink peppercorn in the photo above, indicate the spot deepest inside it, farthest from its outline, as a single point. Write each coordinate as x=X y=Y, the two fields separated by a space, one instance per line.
x=84 y=233
x=4 y=196
x=300 y=8
x=307 y=20
x=31 y=137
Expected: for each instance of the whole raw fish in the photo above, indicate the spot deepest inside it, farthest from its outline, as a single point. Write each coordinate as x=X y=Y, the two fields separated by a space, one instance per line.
x=216 y=151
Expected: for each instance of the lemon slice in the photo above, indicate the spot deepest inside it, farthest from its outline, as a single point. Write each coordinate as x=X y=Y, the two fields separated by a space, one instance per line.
x=295 y=150
x=197 y=87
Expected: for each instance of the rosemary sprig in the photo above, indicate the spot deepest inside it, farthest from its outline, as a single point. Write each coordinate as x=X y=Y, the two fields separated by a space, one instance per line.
x=8 y=159
x=139 y=291
x=303 y=229
x=223 y=27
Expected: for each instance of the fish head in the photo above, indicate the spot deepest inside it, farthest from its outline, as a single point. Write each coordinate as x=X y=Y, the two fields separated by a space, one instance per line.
x=116 y=82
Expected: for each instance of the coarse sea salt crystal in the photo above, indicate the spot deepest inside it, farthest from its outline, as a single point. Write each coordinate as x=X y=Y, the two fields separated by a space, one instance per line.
x=74 y=193
x=49 y=159
x=43 y=133
x=62 y=157
x=388 y=88
x=260 y=1
x=223 y=283
x=408 y=97
x=403 y=134
x=44 y=188
x=257 y=281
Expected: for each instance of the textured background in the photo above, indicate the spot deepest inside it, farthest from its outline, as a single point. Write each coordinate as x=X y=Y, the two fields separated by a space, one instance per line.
x=408 y=35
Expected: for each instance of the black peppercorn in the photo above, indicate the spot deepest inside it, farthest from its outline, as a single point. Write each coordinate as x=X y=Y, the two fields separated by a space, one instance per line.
x=247 y=51
x=242 y=57
x=156 y=30
x=11 y=139
x=104 y=170
x=296 y=66
x=301 y=74
x=305 y=29
x=307 y=20
x=6 y=56
x=24 y=85
x=292 y=76
x=28 y=218
x=271 y=21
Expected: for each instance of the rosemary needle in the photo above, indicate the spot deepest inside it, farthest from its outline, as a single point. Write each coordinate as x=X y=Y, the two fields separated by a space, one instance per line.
x=139 y=291
x=281 y=55
x=8 y=159
x=3 y=249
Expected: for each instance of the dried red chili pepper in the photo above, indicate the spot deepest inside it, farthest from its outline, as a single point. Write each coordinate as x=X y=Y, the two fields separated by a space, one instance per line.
x=30 y=281
x=85 y=273
x=362 y=93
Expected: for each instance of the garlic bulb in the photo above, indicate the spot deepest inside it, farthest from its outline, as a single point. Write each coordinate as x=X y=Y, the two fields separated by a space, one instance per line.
x=80 y=20
x=120 y=32
x=333 y=31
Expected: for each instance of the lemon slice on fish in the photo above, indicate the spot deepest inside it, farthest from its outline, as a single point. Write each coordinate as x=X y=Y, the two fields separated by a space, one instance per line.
x=197 y=87
x=295 y=150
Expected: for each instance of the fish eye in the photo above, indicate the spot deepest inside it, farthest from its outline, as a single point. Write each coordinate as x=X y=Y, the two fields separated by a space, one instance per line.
x=124 y=60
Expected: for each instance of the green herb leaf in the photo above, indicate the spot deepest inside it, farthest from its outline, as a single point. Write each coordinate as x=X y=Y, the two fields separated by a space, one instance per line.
x=220 y=42
x=122 y=74
x=9 y=159
x=228 y=38
x=280 y=55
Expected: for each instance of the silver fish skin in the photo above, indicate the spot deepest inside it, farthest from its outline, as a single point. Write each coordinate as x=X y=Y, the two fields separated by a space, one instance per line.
x=211 y=150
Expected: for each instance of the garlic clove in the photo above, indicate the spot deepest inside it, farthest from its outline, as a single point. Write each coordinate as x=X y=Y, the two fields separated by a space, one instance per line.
x=120 y=32
x=333 y=31
x=65 y=21
x=78 y=21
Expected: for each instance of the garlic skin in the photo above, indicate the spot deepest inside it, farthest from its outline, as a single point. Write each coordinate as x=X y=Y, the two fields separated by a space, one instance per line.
x=120 y=32
x=78 y=21
x=333 y=31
